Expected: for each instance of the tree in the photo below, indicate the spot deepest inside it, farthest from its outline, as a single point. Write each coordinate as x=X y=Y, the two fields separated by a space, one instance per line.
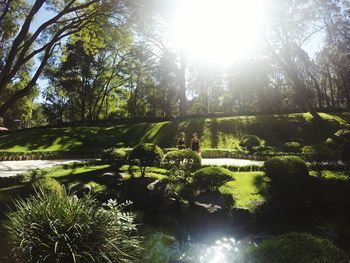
x=290 y=27
x=68 y=17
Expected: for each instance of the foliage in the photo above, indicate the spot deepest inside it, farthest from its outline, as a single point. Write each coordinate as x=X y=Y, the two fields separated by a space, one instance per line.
x=183 y=162
x=295 y=247
x=285 y=167
x=293 y=147
x=114 y=156
x=48 y=184
x=288 y=175
x=209 y=179
x=250 y=141
x=51 y=227
x=146 y=154
x=24 y=45
x=318 y=153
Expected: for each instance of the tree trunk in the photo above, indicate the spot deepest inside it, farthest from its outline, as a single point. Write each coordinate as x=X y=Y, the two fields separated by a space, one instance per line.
x=182 y=84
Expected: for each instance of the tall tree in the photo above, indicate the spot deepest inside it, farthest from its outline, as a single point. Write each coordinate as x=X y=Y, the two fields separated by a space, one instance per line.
x=68 y=17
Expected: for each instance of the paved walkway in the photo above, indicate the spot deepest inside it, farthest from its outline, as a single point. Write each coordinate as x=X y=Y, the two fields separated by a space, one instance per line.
x=12 y=168
x=229 y=161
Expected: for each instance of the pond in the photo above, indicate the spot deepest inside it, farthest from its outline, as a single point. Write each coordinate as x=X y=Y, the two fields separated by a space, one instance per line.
x=168 y=238
x=184 y=242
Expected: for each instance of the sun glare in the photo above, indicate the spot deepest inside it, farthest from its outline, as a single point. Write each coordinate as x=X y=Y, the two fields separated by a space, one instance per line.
x=218 y=31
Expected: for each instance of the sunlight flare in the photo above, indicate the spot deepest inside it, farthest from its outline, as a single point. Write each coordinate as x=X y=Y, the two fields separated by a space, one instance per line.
x=218 y=32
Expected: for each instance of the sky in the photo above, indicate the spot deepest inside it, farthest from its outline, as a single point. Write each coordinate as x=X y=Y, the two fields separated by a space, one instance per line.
x=312 y=46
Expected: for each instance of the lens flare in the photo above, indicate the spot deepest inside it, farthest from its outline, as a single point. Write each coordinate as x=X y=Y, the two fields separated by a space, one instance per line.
x=218 y=31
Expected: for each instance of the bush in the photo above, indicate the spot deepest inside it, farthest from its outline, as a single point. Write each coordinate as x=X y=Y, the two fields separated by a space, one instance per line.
x=114 y=156
x=295 y=248
x=250 y=141
x=278 y=168
x=288 y=176
x=184 y=162
x=50 y=227
x=293 y=147
x=209 y=179
x=48 y=184
x=317 y=154
x=146 y=154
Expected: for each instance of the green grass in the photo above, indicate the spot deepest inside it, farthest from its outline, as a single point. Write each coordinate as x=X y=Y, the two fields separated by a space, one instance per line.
x=222 y=132
x=249 y=189
x=78 y=170
x=334 y=175
x=134 y=171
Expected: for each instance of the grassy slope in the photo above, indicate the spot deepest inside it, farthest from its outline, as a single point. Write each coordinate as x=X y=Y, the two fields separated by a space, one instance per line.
x=214 y=133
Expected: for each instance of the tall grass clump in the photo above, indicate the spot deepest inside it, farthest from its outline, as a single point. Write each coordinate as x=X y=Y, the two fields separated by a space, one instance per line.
x=52 y=227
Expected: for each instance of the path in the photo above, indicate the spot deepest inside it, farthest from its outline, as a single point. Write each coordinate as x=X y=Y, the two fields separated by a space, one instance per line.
x=230 y=161
x=12 y=168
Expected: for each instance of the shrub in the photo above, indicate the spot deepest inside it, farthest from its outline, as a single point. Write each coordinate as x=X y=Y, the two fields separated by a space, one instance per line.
x=317 y=154
x=146 y=154
x=48 y=184
x=50 y=227
x=278 y=168
x=209 y=179
x=293 y=147
x=184 y=162
x=250 y=141
x=295 y=247
x=288 y=175
x=114 y=156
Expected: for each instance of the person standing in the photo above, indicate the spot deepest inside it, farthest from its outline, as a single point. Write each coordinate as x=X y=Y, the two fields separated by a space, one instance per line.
x=181 y=141
x=195 y=145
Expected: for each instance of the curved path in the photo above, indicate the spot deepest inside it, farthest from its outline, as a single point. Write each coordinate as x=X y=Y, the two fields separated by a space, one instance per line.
x=230 y=161
x=12 y=168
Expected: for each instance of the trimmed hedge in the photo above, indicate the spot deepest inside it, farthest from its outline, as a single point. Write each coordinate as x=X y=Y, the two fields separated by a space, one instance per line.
x=47 y=184
x=293 y=147
x=250 y=141
x=209 y=179
x=278 y=168
x=288 y=176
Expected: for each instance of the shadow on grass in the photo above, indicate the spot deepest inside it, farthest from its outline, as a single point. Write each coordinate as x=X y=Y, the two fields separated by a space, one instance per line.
x=83 y=177
x=261 y=183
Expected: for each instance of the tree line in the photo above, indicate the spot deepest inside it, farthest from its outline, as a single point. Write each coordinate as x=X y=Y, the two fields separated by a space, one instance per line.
x=114 y=58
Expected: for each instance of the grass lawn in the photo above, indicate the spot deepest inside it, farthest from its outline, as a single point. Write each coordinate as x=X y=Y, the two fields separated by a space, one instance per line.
x=222 y=132
x=249 y=189
x=334 y=175
x=78 y=170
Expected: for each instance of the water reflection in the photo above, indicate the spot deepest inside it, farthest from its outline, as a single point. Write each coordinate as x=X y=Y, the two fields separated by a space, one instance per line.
x=224 y=250
x=162 y=248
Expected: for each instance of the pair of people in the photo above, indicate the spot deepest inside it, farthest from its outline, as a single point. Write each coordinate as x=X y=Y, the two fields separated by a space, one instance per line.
x=195 y=145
